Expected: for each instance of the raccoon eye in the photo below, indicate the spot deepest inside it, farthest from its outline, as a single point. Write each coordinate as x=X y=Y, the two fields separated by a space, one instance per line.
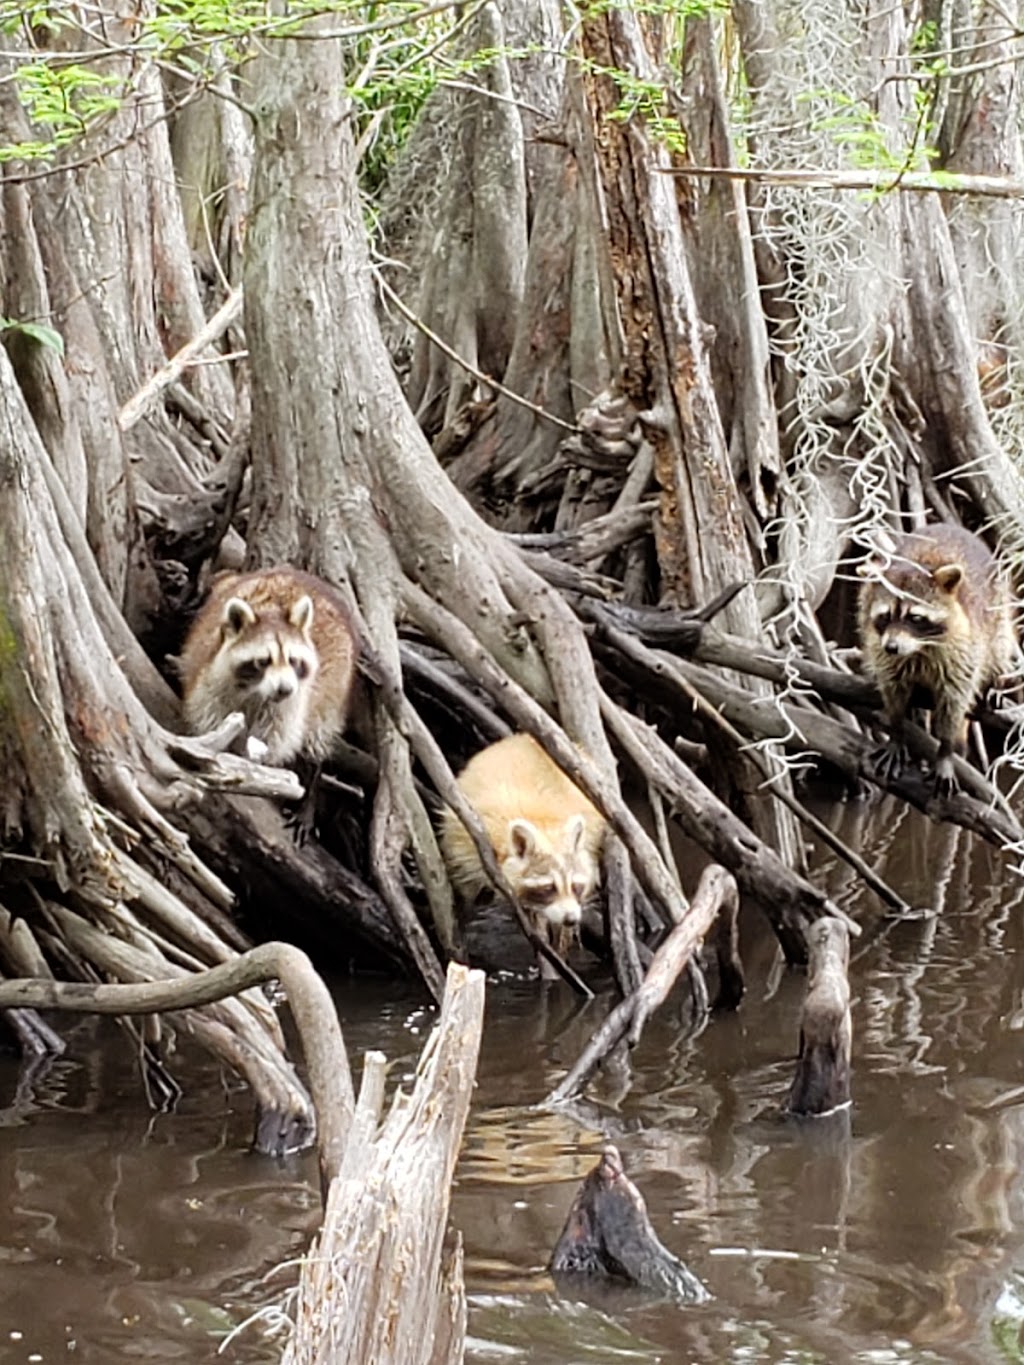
x=881 y=619
x=918 y=618
x=300 y=667
x=578 y=888
x=542 y=894
x=251 y=670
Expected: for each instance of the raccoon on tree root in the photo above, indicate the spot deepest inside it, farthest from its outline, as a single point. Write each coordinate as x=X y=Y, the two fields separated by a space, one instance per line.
x=935 y=629
x=279 y=646
x=545 y=834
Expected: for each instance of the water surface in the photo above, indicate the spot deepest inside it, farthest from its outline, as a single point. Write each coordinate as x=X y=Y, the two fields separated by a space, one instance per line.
x=894 y=1233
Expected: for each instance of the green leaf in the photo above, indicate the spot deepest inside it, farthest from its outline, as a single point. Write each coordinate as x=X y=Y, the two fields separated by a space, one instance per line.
x=36 y=331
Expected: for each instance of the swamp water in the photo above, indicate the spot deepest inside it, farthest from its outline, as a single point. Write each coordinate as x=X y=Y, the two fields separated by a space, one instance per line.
x=892 y=1234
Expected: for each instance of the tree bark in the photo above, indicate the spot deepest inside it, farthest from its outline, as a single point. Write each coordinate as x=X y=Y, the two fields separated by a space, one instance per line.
x=372 y=1289
x=822 y=1081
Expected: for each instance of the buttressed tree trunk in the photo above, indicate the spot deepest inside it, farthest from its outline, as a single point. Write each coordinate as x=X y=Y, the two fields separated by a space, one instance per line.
x=336 y=438
x=115 y=889
x=108 y=883
x=652 y=462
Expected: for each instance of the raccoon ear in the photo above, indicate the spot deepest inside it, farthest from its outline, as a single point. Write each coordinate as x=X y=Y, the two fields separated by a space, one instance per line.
x=948 y=576
x=237 y=615
x=522 y=838
x=872 y=567
x=301 y=613
x=575 y=829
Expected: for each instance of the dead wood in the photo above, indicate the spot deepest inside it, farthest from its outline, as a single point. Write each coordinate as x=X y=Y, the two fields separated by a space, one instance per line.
x=790 y=902
x=371 y=1290
x=310 y=1002
x=822 y=1080
x=731 y=978
x=978 y=806
x=658 y=664
x=796 y=723
x=608 y=1233
x=36 y=1040
x=147 y=396
x=716 y=891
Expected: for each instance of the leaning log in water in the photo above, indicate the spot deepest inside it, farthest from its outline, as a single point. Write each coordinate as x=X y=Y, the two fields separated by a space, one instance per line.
x=609 y=1234
x=716 y=892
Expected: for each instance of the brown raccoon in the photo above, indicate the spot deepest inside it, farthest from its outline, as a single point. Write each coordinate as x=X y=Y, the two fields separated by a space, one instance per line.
x=277 y=645
x=935 y=628
x=545 y=833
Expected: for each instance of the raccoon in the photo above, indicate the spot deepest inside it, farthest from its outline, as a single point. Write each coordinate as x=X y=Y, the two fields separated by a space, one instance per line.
x=935 y=628
x=545 y=833
x=277 y=645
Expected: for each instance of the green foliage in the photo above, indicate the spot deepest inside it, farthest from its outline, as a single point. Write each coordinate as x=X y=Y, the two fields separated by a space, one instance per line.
x=35 y=331
x=672 y=9
x=924 y=36
x=854 y=127
x=62 y=101
x=391 y=81
x=649 y=100
x=1007 y=1323
x=397 y=55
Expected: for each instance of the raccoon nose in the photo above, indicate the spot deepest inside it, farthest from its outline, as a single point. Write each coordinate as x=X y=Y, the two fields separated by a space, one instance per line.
x=283 y=688
x=567 y=912
x=891 y=646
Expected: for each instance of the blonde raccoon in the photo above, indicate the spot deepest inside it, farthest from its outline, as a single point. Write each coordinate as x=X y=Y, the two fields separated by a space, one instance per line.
x=936 y=631
x=545 y=834
x=278 y=645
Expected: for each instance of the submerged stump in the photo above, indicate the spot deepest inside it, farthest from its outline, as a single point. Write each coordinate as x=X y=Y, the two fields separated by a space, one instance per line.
x=822 y=1080
x=608 y=1234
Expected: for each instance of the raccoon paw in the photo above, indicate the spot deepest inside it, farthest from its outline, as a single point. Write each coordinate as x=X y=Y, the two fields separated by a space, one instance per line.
x=945 y=781
x=889 y=760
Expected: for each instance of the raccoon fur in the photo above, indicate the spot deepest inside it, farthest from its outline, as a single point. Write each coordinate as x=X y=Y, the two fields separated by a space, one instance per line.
x=936 y=631
x=278 y=645
x=545 y=834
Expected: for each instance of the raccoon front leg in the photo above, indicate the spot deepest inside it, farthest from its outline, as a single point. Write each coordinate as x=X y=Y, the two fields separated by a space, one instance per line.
x=949 y=727
x=891 y=759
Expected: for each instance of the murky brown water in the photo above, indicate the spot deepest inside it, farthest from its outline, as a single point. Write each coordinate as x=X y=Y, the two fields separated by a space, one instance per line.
x=895 y=1234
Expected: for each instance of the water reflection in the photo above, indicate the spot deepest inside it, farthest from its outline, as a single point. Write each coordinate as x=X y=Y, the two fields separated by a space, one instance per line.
x=892 y=1233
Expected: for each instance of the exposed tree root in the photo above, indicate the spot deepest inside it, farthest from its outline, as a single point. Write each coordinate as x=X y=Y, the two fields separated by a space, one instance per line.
x=310 y=1002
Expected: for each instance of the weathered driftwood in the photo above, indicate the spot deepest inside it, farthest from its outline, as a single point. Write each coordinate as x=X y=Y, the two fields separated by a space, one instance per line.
x=715 y=890
x=609 y=1234
x=373 y=1290
x=822 y=1081
x=312 y=1009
